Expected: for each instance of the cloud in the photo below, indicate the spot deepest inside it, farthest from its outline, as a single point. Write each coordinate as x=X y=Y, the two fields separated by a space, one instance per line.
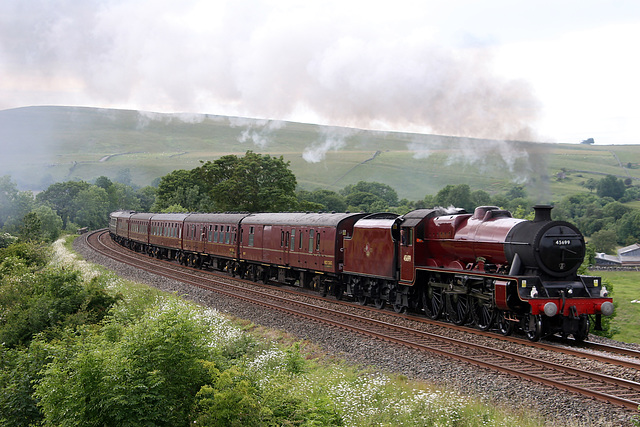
x=260 y=59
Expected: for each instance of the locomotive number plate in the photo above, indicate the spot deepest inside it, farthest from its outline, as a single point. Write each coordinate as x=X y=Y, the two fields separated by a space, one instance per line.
x=563 y=242
x=407 y=258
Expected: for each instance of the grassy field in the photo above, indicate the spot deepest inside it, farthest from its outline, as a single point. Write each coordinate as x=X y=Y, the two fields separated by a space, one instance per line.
x=42 y=145
x=626 y=289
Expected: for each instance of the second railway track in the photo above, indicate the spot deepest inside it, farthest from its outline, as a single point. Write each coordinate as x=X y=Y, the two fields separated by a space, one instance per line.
x=620 y=391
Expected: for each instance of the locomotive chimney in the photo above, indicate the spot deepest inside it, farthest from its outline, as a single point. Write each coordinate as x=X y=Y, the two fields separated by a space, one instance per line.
x=543 y=213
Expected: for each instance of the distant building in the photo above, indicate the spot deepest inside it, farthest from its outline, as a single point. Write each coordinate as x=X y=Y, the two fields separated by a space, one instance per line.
x=588 y=141
x=627 y=257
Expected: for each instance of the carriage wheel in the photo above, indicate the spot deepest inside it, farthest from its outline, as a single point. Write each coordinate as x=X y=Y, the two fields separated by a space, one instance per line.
x=262 y=275
x=379 y=303
x=252 y=273
x=433 y=302
x=532 y=326
x=363 y=300
x=322 y=287
x=484 y=315
x=505 y=326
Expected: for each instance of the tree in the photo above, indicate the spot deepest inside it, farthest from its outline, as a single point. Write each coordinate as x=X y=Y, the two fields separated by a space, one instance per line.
x=122 y=196
x=591 y=184
x=604 y=241
x=184 y=188
x=517 y=192
x=330 y=200
x=61 y=197
x=610 y=186
x=628 y=228
x=104 y=182
x=253 y=183
x=51 y=223
x=31 y=227
x=615 y=210
x=92 y=207
x=480 y=198
x=14 y=204
x=631 y=194
x=359 y=201
x=146 y=197
x=383 y=191
x=455 y=195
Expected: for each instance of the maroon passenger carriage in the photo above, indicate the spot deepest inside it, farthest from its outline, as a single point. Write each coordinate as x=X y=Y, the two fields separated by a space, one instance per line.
x=302 y=248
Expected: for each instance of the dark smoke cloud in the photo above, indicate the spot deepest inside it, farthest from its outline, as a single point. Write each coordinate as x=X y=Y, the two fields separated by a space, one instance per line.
x=249 y=58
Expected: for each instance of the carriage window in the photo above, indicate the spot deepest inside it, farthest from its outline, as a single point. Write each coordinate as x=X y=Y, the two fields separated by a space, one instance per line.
x=311 y=233
x=227 y=235
x=233 y=235
x=300 y=241
x=293 y=239
x=215 y=234
x=286 y=240
x=210 y=233
x=282 y=238
x=251 y=234
x=318 y=243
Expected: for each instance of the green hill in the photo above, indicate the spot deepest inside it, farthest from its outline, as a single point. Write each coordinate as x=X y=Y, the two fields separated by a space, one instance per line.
x=42 y=145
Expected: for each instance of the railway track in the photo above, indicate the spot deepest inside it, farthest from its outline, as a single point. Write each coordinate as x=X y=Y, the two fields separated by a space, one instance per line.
x=619 y=391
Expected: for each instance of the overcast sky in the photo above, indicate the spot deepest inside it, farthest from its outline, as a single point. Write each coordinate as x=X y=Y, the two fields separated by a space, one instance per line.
x=545 y=70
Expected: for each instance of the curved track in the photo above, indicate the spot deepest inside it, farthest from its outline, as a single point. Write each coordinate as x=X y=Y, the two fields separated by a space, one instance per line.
x=619 y=391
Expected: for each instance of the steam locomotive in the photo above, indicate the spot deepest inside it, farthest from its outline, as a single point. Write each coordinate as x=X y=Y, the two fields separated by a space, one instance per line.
x=484 y=268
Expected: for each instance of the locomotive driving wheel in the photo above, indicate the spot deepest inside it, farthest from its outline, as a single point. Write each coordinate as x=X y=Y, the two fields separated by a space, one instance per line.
x=458 y=308
x=433 y=302
x=484 y=314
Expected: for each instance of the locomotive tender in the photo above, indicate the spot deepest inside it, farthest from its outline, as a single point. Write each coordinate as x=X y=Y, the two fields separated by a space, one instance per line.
x=485 y=267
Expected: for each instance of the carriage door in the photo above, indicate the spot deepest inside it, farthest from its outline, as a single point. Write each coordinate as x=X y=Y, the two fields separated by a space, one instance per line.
x=200 y=237
x=284 y=244
x=407 y=270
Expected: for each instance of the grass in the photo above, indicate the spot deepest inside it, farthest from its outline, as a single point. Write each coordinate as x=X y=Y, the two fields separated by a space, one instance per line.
x=50 y=144
x=626 y=289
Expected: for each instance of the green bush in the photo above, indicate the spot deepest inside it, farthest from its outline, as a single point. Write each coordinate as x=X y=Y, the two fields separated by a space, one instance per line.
x=34 y=255
x=149 y=376
x=48 y=300
x=19 y=370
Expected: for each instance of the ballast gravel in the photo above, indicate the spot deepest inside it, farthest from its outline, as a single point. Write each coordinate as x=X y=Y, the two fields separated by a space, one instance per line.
x=555 y=407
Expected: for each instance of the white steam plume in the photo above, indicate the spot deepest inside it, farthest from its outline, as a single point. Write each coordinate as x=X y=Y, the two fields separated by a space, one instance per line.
x=259 y=59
